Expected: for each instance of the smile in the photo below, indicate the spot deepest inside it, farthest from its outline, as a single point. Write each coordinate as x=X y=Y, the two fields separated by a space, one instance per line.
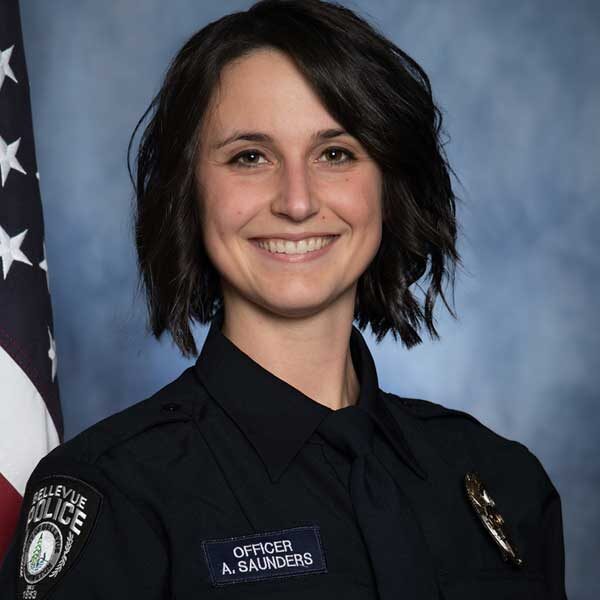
x=299 y=247
x=290 y=251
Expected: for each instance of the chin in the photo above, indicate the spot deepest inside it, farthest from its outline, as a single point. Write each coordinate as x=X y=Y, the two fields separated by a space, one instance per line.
x=294 y=309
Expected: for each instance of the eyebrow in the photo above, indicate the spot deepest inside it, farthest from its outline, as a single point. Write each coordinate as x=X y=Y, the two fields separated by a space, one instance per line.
x=258 y=136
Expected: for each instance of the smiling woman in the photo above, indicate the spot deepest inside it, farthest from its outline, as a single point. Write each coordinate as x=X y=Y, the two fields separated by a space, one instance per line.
x=290 y=181
x=308 y=190
x=294 y=120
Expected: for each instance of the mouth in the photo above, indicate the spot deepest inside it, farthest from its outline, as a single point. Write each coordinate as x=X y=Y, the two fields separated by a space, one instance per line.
x=295 y=251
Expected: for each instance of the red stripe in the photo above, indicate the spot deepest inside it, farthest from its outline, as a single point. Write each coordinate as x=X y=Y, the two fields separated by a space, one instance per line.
x=10 y=505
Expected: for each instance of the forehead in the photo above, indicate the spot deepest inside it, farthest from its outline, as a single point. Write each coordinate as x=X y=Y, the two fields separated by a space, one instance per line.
x=265 y=90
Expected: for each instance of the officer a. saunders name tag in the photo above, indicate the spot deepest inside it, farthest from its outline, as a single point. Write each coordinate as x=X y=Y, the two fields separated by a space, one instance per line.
x=266 y=555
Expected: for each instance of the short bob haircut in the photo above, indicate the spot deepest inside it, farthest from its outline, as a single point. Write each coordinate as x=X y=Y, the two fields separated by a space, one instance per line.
x=378 y=93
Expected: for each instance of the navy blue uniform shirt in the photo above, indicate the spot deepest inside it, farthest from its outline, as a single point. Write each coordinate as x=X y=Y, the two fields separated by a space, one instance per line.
x=219 y=486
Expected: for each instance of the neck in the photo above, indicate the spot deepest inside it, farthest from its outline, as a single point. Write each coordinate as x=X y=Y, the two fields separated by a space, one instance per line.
x=310 y=352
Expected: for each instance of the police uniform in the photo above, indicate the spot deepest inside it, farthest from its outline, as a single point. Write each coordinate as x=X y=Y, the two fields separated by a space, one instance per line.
x=221 y=486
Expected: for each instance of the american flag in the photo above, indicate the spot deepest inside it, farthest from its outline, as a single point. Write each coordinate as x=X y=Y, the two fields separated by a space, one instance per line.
x=30 y=414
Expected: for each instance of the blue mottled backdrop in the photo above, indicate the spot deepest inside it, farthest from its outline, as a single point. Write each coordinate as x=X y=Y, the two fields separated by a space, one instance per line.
x=519 y=83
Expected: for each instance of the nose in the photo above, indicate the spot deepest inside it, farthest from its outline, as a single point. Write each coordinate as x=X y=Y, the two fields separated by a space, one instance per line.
x=295 y=197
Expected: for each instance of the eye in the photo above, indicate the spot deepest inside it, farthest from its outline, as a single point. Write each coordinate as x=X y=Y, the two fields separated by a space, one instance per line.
x=237 y=161
x=336 y=152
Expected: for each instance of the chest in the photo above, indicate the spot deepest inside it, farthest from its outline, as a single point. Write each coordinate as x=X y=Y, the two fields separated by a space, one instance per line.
x=233 y=533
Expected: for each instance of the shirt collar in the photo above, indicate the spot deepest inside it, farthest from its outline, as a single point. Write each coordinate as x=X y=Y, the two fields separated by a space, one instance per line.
x=277 y=418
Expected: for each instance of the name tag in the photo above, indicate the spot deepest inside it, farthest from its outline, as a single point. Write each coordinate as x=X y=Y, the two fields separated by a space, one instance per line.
x=266 y=555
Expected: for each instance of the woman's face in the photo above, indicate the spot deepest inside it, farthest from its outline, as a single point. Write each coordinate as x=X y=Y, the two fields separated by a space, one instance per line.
x=266 y=175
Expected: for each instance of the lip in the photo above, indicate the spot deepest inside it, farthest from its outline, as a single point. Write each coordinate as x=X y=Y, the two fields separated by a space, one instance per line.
x=294 y=258
x=293 y=237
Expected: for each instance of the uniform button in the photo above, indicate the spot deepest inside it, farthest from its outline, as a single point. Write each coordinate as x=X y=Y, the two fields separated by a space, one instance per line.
x=171 y=406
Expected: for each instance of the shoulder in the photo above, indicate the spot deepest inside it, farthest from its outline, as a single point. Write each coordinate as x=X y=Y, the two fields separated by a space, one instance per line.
x=88 y=490
x=455 y=431
x=511 y=489
x=112 y=467
x=440 y=419
x=140 y=428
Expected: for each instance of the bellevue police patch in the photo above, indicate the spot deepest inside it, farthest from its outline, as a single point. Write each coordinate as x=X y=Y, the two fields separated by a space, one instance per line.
x=271 y=554
x=60 y=518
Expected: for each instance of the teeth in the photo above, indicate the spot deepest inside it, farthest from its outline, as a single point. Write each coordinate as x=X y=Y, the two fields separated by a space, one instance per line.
x=300 y=247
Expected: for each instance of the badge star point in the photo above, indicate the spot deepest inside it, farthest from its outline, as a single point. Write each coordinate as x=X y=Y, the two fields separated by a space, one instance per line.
x=5 y=70
x=10 y=250
x=8 y=159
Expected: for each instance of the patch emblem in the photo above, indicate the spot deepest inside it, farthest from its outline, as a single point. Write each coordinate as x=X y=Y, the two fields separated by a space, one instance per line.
x=60 y=517
x=267 y=555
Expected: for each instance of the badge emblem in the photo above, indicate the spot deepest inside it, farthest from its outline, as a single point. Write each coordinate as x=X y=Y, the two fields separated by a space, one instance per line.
x=61 y=512
x=42 y=551
x=485 y=508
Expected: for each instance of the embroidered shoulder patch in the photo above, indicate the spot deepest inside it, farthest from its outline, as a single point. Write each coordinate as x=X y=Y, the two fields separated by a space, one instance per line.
x=265 y=555
x=60 y=517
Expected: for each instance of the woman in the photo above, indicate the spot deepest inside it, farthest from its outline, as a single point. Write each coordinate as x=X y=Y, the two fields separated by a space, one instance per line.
x=291 y=180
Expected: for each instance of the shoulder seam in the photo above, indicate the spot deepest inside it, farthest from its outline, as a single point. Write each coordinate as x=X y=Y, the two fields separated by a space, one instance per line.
x=432 y=409
x=112 y=440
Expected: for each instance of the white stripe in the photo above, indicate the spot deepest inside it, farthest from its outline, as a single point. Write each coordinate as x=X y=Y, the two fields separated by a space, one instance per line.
x=27 y=432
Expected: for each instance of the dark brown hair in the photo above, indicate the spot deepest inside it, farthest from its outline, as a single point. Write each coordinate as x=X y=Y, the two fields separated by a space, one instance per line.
x=378 y=93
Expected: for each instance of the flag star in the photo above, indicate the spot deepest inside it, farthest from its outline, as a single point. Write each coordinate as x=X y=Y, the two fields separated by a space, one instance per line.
x=52 y=354
x=44 y=265
x=8 y=159
x=5 y=70
x=10 y=250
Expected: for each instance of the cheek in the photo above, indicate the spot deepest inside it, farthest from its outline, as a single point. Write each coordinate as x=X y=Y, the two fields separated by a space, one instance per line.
x=363 y=211
x=227 y=208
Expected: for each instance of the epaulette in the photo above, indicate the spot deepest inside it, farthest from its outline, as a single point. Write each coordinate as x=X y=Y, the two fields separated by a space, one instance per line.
x=425 y=409
x=171 y=403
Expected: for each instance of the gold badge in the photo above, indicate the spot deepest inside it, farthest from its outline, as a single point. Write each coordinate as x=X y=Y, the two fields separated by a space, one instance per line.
x=492 y=520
